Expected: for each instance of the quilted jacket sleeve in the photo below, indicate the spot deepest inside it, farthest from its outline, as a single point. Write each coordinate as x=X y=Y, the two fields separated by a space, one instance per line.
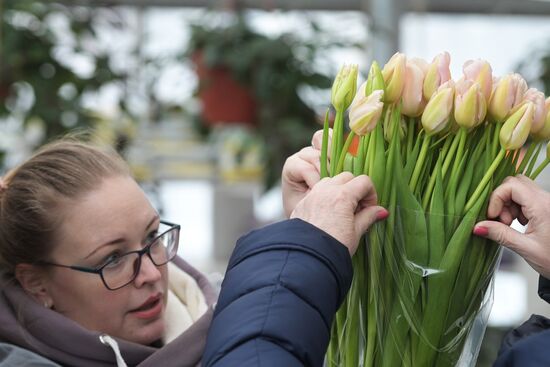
x=531 y=351
x=282 y=288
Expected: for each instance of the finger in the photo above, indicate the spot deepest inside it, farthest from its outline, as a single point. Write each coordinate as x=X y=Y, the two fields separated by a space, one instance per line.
x=522 y=219
x=302 y=173
x=526 y=180
x=311 y=156
x=342 y=178
x=362 y=190
x=516 y=213
x=502 y=234
x=317 y=141
x=506 y=216
x=365 y=218
x=513 y=190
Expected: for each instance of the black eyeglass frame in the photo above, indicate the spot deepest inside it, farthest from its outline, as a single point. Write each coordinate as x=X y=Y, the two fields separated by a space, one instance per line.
x=143 y=251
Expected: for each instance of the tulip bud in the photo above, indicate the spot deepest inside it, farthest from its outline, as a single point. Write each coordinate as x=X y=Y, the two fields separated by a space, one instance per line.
x=539 y=113
x=544 y=133
x=480 y=71
x=515 y=129
x=394 y=77
x=437 y=113
x=344 y=87
x=507 y=93
x=438 y=73
x=389 y=127
x=365 y=111
x=375 y=80
x=413 y=101
x=470 y=104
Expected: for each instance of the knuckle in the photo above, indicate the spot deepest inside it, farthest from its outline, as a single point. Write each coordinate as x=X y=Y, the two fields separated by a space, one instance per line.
x=346 y=174
x=501 y=239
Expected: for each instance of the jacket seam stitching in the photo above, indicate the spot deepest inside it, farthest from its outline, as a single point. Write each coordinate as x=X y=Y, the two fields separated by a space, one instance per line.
x=275 y=289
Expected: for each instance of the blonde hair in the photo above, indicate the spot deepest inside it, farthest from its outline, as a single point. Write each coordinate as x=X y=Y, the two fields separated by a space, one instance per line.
x=34 y=191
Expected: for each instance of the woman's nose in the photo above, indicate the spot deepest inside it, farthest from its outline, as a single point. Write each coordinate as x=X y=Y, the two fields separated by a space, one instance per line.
x=148 y=272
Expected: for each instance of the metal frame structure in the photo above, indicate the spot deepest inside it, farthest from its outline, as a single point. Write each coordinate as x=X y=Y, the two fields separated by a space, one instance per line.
x=511 y=7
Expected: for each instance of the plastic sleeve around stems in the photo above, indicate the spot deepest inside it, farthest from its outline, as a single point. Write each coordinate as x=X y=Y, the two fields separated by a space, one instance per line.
x=433 y=323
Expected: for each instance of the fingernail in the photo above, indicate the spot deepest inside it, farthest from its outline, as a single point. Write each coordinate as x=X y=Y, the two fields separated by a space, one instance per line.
x=481 y=231
x=382 y=214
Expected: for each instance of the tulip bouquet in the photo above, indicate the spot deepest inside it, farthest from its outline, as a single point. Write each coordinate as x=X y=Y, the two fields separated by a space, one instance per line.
x=434 y=148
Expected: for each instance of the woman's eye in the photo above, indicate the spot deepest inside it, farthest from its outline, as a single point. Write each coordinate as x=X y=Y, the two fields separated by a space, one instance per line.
x=151 y=236
x=112 y=260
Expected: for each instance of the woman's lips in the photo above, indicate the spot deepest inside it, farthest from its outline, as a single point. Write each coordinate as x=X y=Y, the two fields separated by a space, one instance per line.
x=149 y=309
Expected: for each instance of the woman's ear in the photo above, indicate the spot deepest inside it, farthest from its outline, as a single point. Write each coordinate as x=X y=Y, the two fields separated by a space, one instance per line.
x=33 y=280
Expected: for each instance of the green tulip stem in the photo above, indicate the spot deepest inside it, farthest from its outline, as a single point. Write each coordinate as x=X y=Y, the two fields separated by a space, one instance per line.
x=449 y=155
x=420 y=163
x=496 y=138
x=484 y=181
x=324 y=147
x=460 y=151
x=527 y=157
x=337 y=136
x=431 y=184
x=344 y=151
x=540 y=168
x=410 y=136
x=533 y=160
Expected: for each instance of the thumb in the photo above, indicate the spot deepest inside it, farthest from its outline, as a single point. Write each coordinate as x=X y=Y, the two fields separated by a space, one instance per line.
x=366 y=217
x=501 y=233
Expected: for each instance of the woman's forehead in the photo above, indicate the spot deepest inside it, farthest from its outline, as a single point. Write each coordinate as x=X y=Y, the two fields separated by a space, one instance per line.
x=117 y=208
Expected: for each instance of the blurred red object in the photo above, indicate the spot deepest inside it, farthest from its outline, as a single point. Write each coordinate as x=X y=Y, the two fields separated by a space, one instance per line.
x=224 y=100
x=354 y=146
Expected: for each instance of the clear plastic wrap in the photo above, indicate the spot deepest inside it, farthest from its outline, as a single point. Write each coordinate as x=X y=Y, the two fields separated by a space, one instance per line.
x=425 y=298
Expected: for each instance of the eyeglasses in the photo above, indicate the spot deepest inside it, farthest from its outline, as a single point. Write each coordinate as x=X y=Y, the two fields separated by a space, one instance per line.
x=121 y=270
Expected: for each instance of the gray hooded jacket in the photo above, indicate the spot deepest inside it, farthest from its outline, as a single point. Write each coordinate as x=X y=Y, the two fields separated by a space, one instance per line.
x=26 y=324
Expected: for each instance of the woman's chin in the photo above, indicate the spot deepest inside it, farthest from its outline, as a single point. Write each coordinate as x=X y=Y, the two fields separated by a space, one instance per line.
x=148 y=334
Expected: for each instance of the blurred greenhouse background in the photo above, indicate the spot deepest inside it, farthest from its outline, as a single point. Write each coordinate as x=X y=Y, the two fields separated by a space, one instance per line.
x=206 y=99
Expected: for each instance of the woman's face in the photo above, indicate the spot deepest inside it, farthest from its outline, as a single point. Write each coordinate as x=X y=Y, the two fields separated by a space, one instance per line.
x=113 y=219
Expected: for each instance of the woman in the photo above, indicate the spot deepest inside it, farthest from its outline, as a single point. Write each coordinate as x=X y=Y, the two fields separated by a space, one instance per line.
x=86 y=279
x=83 y=256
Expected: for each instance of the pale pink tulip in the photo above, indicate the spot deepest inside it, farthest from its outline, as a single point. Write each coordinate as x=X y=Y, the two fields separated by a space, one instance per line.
x=436 y=115
x=539 y=112
x=365 y=111
x=515 y=129
x=413 y=101
x=394 y=77
x=480 y=71
x=438 y=73
x=470 y=104
x=507 y=93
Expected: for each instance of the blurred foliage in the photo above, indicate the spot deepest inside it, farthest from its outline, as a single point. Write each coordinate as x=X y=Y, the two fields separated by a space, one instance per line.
x=274 y=69
x=536 y=68
x=31 y=61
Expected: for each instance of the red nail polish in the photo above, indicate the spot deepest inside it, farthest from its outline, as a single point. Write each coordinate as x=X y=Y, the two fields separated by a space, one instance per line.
x=382 y=214
x=481 y=231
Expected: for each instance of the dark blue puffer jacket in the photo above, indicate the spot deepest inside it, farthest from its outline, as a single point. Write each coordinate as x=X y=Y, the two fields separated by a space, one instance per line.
x=529 y=344
x=282 y=288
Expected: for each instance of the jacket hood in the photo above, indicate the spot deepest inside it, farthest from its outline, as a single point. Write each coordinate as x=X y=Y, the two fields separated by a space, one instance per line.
x=29 y=325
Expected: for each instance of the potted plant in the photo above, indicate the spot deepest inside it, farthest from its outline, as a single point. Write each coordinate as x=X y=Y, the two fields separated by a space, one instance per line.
x=267 y=74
